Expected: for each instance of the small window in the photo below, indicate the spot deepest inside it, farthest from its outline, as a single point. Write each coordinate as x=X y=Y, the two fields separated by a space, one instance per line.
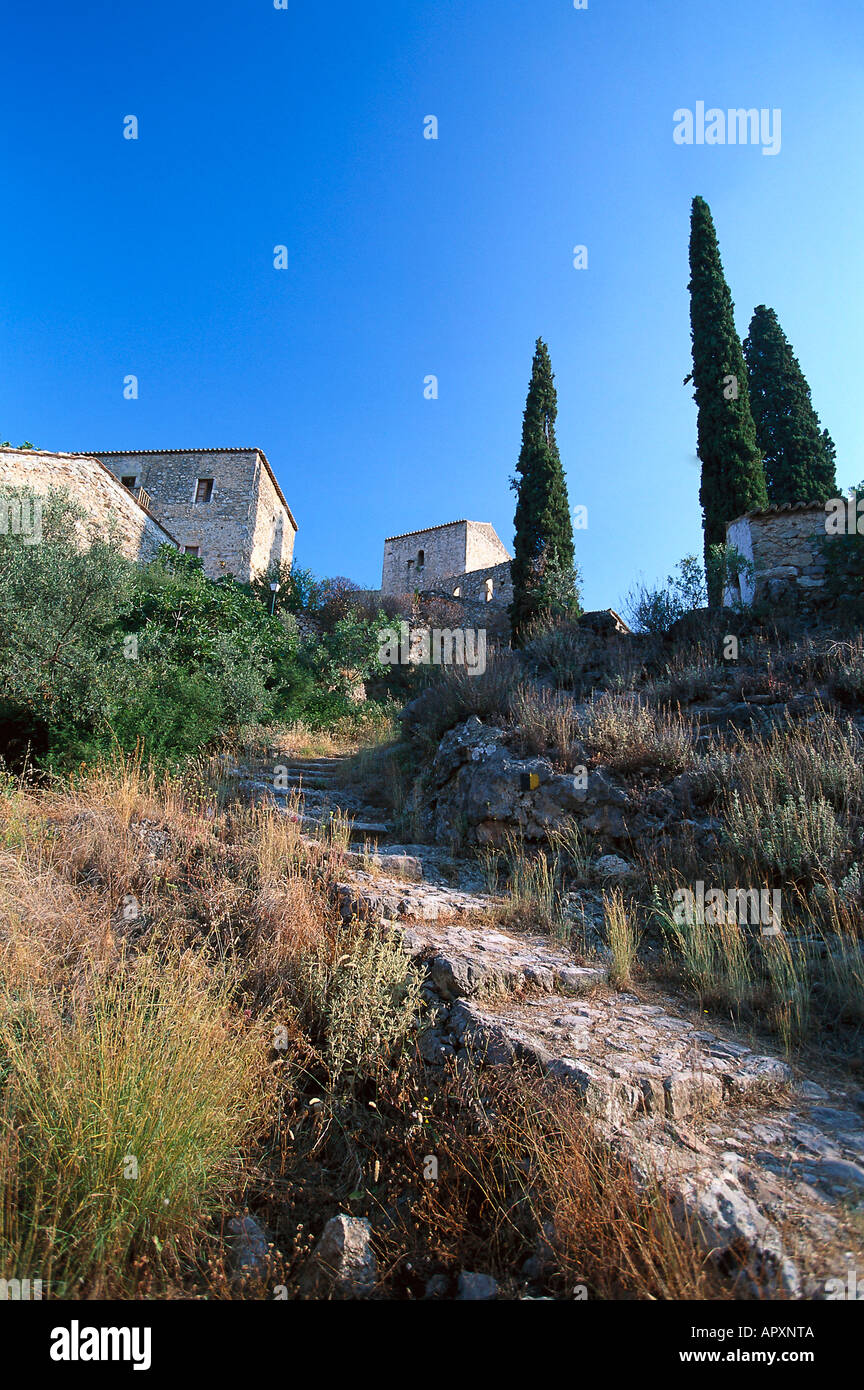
x=457 y=593
x=204 y=490
x=192 y=550
x=129 y=481
x=421 y=559
x=489 y=590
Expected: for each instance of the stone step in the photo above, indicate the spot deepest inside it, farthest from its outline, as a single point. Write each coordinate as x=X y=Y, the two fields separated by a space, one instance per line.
x=311 y=764
x=313 y=781
x=406 y=866
x=372 y=830
x=623 y=1058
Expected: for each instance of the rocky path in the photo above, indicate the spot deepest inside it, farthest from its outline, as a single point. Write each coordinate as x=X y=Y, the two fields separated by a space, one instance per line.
x=760 y=1162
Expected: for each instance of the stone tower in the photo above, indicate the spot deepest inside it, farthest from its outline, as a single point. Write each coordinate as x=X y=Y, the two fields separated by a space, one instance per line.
x=437 y=557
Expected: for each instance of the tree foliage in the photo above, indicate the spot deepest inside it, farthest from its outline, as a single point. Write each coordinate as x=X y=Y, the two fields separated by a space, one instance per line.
x=543 y=573
x=733 y=478
x=799 y=455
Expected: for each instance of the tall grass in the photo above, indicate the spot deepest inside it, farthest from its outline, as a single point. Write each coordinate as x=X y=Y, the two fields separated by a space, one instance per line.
x=126 y=1108
x=622 y=936
x=546 y=722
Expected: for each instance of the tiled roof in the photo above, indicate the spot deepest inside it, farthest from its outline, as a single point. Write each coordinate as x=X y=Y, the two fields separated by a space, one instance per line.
x=779 y=507
x=463 y=521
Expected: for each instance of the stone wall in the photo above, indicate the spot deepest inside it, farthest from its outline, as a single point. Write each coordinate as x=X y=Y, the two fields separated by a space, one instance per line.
x=89 y=482
x=484 y=548
x=784 y=546
x=244 y=528
x=492 y=585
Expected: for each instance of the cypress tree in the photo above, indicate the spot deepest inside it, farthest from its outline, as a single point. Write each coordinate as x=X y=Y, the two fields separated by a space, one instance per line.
x=799 y=456
x=543 y=547
x=733 y=479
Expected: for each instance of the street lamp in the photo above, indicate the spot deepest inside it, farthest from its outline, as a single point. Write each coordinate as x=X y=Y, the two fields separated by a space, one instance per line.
x=274 y=589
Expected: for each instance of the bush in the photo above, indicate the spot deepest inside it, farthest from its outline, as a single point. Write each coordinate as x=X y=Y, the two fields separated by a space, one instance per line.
x=97 y=652
x=797 y=839
x=655 y=610
x=630 y=735
x=359 y=997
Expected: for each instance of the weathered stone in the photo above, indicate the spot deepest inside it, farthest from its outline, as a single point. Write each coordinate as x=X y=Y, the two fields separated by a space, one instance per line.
x=343 y=1262
x=110 y=507
x=476 y=1288
x=480 y=784
x=611 y=868
x=249 y=1247
x=437 y=1287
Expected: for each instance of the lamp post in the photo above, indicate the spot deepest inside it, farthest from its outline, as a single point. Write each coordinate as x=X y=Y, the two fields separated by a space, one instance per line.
x=274 y=589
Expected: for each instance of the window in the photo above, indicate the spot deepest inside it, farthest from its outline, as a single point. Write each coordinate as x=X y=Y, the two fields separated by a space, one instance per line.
x=421 y=559
x=129 y=481
x=192 y=550
x=204 y=490
x=489 y=588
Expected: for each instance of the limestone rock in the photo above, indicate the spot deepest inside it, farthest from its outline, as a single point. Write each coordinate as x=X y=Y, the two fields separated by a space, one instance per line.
x=611 y=868
x=343 y=1262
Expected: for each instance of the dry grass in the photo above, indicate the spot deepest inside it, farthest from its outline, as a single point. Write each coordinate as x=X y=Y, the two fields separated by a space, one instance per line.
x=177 y=989
x=522 y=1174
x=629 y=735
x=622 y=936
x=546 y=723
x=343 y=738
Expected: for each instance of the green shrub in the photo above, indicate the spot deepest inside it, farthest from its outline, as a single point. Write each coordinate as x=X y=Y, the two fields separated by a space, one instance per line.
x=799 y=838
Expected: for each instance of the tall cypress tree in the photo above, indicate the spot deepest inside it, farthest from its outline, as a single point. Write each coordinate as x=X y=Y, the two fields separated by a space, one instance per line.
x=799 y=456
x=543 y=546
x=733 y=479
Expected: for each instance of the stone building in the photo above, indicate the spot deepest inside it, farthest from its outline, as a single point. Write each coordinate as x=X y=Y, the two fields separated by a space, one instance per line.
x=458 y=555
x=224 y=505
x=86 y=479
x=783 y=545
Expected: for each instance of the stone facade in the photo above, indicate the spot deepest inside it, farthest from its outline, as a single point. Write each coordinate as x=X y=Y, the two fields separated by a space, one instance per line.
x=429 y=559
x=783 y=545
x=222 y=504
x=491 y=584
x=87 y=480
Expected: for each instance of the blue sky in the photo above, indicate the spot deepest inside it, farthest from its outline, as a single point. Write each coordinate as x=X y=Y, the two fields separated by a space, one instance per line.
x=409 y=257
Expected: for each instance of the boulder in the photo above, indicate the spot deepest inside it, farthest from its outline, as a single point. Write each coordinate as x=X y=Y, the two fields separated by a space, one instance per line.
x=481 y=788
x=611 y=868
